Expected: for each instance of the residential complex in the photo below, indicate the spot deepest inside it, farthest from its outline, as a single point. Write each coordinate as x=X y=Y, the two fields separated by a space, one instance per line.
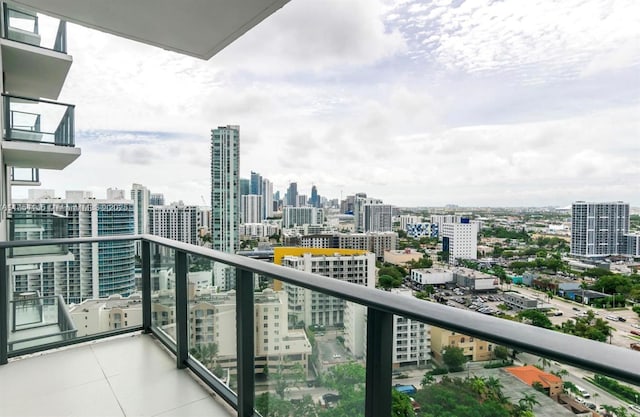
x=599 y=229
x=176 y=221
x=460 y=240
x=474 y=349
x=77 y=271
x=311 y=307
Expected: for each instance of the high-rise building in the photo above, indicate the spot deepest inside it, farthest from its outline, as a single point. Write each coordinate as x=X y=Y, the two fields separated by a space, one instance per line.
x=245 y=186
x=353 y=266
x=176 y=221
x=225 y=188
x=267 y=198
x=460 y=240
x=156 y=199
x=141 y=201
x=314 y=201
x=94 y=270
x=298 y=216
x=378 y=218
x=599 y=229
x=292 y=195
x=251 y=207
x=361 y=200
x=256 y=183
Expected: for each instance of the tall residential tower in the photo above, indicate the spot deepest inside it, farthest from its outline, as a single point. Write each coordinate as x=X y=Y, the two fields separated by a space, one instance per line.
x=225 y=188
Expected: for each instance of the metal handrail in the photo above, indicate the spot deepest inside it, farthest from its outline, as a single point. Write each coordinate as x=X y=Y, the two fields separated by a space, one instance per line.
x=588 y=354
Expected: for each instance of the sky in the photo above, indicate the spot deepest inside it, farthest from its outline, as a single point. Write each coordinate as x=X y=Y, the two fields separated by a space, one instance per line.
x=419 y=103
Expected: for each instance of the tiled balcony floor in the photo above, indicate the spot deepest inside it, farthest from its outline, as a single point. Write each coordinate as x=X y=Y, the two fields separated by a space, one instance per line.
x=130 y=375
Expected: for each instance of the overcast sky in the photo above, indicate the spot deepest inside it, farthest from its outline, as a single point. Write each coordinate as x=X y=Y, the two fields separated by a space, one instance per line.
x=420 y=103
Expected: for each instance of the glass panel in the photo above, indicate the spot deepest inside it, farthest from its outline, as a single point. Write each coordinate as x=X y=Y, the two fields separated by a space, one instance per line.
x=25 y=174
x=25 y=225
x=39 y=121
x=310 y=352
x=212 y=315
x=55 y=297
x=163 y=291
x=27 y=26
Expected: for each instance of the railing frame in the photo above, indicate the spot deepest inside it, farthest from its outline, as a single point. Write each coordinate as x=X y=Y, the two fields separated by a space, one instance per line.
x=590 y=355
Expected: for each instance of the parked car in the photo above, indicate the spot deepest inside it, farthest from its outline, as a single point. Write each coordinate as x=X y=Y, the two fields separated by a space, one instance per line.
x=612 y=318
x=620 y=318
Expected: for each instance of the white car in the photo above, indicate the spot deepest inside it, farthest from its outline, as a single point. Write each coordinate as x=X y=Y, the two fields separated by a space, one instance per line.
x=637 y=326
x=634 y=408
x=612 y=318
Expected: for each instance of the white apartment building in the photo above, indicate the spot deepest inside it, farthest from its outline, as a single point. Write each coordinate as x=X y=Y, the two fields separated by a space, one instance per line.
x=378 y=218
x=225 y=188
x=599 y=229
x=376 y=242
x=460 y=240
x=406 y=219
x=411 y=339
x=258 y=231
x=252 y=208
x=360 y=201
x=176 y=221
x=316 y=308
x=97 y=315
x=298 y=216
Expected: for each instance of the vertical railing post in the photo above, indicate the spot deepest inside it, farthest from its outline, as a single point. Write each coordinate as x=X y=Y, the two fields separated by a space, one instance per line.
x=146 y=286
x=4 y=306
x=379 y=360
x=245 y=342
x=182 y=310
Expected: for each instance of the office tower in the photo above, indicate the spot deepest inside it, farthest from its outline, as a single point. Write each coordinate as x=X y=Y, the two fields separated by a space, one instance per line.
x=94 y=270
x=156 y=199
x=251 y=207
x=225 y=188
x=245 y=186
x=256 y=183
x=460 y=240
x=298 y=216
x=141 y=201
x=176 y=221
x=267 y=199
x=599 y=229
x=353 y=266
x=292 y=195
x=302 y=200
x=314 y=201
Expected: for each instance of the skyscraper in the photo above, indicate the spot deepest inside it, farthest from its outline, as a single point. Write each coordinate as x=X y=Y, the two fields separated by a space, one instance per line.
x=315 y=199
x=256 y=183
x=292 y=195
x=225 y=188
x=141 y=197
x=599 y=229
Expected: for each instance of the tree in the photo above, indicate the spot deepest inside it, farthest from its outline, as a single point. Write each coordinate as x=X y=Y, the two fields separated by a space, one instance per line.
x=454 y=357
x=501 y=352
x=387 y=282
x=269 y=405
x=537 y=318
x=528 y=401
x=427 y=379
x=401 y=404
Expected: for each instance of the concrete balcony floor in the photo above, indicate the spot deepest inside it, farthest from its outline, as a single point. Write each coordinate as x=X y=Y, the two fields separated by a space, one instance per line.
x=131 y=375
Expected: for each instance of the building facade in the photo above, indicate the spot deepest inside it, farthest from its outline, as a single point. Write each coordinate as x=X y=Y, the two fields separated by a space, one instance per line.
x=460 y=240
x=599 y=229
x=225 y=188
x=176 y=221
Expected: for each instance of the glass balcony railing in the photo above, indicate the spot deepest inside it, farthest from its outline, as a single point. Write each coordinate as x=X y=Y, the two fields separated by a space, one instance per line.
x=282 y=342
x=25 y=175
x=30 y=27
x=33 y=226
x=40 y=121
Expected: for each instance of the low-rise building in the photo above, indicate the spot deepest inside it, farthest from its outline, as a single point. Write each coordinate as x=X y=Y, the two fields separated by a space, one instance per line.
x=531 y=375
x=519 y=302
x=402 y=257
x=474 y=349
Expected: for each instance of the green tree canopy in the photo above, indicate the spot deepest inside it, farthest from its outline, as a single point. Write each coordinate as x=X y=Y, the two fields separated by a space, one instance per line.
x=454 y=357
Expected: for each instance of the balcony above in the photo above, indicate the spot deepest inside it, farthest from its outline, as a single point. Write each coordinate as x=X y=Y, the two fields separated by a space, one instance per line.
x=197 y=28
x=39 y=133
x=33 y=44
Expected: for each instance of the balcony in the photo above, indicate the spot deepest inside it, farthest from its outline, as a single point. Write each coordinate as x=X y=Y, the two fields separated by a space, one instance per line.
x=38 y=133
x=29 y=226
x=33 y=44
x=159 y=370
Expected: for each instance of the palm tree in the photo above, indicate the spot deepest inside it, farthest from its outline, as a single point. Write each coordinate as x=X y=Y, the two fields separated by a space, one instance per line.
x=478 y=386
x=528 y=401
x=494 y=388
x=544 y=362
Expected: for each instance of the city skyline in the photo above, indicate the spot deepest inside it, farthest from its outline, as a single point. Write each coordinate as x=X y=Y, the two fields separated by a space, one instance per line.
x=419 y=104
